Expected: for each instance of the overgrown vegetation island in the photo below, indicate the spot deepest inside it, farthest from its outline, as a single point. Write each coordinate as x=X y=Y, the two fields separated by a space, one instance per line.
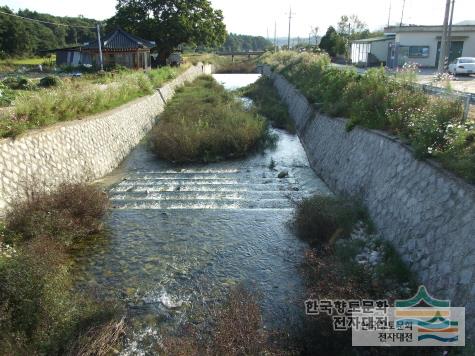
x=204 y=122
x=432 y=125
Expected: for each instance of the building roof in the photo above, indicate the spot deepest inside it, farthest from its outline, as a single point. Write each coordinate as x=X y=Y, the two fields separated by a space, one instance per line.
x=121 y=40
x=424 y=28
x=376 y=39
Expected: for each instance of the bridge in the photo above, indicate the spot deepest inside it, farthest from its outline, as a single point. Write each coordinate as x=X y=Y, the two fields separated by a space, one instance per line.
x=248 y=54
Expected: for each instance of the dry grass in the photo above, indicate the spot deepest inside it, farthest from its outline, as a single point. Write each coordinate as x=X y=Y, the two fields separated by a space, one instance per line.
x=69 y=214
x=101 y=340
x=233 y=328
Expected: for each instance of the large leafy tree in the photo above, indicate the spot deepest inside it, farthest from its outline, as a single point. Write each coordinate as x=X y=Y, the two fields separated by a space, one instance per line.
x=171 y=22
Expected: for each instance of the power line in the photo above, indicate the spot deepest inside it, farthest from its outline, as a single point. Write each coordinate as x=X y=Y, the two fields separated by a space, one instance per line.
x=46 y=22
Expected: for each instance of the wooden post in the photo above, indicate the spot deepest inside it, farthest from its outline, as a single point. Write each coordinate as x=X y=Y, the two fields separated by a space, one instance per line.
x=101 y=61
x=466 y=107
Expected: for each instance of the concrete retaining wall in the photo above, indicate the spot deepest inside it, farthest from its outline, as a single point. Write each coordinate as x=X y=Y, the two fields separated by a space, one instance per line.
x=81 y=150
x=426 y=212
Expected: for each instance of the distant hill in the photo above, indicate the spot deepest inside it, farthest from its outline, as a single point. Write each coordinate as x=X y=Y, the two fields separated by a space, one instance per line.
x=282 y=41
x=19 y=37
x=466 y=22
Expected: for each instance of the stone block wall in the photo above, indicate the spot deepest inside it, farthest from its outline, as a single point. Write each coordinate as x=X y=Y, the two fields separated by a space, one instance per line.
x=426 y=212
x=81 y=150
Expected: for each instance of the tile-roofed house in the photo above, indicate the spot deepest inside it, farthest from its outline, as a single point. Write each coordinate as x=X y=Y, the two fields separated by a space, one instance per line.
x=118 y=48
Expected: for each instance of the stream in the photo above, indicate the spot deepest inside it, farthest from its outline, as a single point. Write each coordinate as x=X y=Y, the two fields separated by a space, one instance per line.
x=181 y=235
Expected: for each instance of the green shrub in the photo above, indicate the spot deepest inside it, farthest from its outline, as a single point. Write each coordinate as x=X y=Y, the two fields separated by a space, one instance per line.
x=6 y=97
x=70 y=214
x=203 y=122
x=429 y=128
x=159 y=76
x=18 y=83
x=321 y=218
x=368 y=98
x=49 y=81
x=268 y=104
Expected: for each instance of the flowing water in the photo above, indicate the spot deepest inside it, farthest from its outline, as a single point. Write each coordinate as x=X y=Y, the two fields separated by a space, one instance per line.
x=181 y=235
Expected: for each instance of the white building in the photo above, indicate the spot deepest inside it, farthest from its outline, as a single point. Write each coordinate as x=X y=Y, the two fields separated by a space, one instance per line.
x=371 y=51
x=421 y=44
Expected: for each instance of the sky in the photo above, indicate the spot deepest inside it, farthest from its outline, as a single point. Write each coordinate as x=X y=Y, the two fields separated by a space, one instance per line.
x=257 y=17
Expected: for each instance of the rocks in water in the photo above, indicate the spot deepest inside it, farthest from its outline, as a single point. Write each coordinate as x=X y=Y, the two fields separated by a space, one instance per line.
x=283 y=174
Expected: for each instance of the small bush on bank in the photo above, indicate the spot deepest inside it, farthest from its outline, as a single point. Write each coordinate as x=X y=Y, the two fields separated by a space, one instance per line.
x=205 y=123
x=320 y=218
x=268 y=104
x=6 y=97
x=18 y=83
x=49 y=81
x=71 y=213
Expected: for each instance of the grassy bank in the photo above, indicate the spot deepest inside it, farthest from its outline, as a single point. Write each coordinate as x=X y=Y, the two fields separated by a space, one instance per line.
x=204 y=122
x=431 y=125
x=268 y=103
x=41 y=313
x=72 y=98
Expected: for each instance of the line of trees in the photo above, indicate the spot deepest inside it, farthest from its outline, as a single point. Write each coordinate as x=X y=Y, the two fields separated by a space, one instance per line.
x=19 y=38
x=350 y=28
x=235 y=42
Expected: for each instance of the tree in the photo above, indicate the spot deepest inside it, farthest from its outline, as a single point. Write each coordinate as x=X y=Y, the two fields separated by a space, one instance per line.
x=19 y=37
x=331 y=42
x=171 y=23
x=352 y=27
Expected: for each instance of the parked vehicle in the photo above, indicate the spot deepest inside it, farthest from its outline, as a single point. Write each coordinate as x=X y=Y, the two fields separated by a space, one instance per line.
x=462 y=65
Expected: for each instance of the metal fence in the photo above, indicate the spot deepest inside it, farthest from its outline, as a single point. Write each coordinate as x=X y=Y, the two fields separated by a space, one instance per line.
x=467 y=98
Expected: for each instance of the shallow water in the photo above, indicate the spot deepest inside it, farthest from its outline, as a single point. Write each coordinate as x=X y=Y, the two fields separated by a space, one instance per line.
x=181 y=234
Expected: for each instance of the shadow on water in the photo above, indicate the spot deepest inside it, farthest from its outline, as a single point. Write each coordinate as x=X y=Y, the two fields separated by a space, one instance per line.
x=181 y=235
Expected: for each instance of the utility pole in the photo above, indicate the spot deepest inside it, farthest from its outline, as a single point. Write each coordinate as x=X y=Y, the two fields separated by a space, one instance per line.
x=99 y=43
x=275 y=36
x=449 y=36
x=290 y=22
x=402 y=13
x=389 y=15
x=443 y=44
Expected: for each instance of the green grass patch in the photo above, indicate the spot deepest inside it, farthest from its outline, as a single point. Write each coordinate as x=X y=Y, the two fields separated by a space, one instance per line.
x=432 y=125
x=268 y=103
x=72 y=99
x=205 y=123
x=30 y=61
